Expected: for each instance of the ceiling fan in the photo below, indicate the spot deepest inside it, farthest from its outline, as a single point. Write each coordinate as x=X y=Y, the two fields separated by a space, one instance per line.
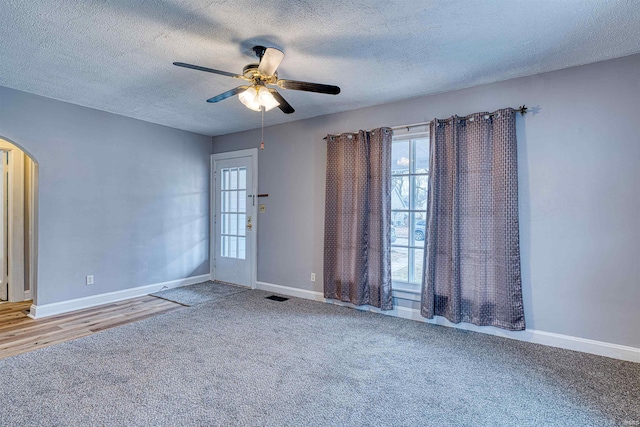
x=256 y=95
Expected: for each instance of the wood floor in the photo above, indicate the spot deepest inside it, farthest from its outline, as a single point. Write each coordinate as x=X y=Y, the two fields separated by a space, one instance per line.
x=20 y=333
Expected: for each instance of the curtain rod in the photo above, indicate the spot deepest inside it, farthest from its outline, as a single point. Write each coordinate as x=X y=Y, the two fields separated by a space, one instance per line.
x=522 y=110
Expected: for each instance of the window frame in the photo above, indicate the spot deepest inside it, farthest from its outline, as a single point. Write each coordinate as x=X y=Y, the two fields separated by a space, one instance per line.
x=402 y=289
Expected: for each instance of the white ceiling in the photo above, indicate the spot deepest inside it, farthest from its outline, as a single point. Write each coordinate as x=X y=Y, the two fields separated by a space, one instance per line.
x=117 y=55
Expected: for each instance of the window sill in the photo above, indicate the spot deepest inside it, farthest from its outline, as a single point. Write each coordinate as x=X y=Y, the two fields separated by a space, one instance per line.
x=406 y=293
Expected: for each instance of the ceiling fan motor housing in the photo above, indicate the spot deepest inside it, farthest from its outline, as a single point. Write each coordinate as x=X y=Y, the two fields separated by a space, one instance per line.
x=251 y=72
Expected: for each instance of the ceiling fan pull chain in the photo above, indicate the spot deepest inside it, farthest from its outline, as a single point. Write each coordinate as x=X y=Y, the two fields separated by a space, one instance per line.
x=262 y=139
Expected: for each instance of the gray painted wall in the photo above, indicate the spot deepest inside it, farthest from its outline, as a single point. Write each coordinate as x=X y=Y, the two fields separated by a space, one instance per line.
x=579 y=169
x=122 y=199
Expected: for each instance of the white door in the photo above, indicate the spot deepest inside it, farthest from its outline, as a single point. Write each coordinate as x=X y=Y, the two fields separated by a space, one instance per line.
x=234 y=218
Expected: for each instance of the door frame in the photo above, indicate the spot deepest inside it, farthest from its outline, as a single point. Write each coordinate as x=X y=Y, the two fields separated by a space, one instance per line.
x=14 y=221
x=5 y=230
x=16 y=217
x=253 y=154
x=17 y=235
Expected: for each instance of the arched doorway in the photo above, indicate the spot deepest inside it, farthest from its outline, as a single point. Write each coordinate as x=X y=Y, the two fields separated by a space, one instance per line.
x=18 y=223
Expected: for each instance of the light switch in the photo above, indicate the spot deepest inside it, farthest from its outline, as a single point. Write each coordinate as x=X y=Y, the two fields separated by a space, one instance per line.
x=262 y=208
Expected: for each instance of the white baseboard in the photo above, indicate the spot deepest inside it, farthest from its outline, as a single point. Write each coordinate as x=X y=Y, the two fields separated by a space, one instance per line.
x=46 y=310
x=292 y=292
x=600 y=348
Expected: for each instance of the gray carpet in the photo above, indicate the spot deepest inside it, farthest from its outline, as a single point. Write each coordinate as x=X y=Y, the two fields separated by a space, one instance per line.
x=244 y=360
x=199 y=293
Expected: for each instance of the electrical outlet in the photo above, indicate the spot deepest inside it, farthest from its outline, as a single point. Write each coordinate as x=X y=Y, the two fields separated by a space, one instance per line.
x=90 y=279
x=313 y=277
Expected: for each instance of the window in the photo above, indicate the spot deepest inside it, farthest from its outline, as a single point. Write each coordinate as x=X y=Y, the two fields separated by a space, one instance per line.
x=233 y=212
x=409 y=186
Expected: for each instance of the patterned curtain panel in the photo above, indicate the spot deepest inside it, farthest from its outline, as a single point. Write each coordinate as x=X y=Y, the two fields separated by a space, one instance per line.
x=357 y=225
x=472 y=256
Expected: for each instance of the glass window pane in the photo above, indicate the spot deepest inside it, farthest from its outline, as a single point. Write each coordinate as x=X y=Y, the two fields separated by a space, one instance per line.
x=242 y=224
x=224 y=223
x=394 y=236
x=421 y=155
x=409 y=191
x=416 y=276
x=225 y=179
x=243 y=179
x=399 y=264
x=401 y=228
x=233 y=224
x=400 y=192
x=400 y=157
x=233 y=247
x=241 y=247
x=233 y=201
x=242 y=201
x=418 y=224
x=233 y=179
x=419 y=192
x=224 y=196
x=224 y=246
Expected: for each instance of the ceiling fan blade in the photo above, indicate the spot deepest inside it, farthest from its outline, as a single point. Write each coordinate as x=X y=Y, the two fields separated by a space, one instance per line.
x=228 y=94
x=270 y=61
x=284 y=105
x=208 y=70
x=308 y=87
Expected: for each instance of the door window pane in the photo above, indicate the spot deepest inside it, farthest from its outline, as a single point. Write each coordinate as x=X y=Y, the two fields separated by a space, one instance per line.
x=233 y=179
x=225 y=223
x=242 y=184
x=233 y=247
x=233 y=201
x=242 y=224
x=225 y=179
x=241 y=247
x=233 y=212
x=233 y=225
x=242 y=201
x=224 y=246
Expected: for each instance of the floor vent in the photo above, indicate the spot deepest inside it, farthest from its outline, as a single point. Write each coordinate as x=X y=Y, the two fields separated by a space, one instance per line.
x=277 y=298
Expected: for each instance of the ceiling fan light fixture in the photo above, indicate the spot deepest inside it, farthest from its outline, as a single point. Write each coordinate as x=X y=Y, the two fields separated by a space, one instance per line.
x=266 y=99
x=255 y=99
x=250 y=99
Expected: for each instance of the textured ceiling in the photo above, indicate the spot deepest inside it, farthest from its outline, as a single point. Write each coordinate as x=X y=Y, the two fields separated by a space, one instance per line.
x=116 y=55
